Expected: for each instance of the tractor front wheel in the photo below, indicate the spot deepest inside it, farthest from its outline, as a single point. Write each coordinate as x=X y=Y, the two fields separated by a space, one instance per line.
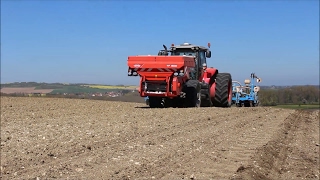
x=193 y=93
x=155 y=102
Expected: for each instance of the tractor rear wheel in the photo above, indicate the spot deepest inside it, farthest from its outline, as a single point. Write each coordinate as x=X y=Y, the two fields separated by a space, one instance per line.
x=223 y=95
x=193 y=93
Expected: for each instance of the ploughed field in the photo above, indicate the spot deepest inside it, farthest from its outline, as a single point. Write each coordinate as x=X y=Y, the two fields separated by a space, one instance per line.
x=44 y=138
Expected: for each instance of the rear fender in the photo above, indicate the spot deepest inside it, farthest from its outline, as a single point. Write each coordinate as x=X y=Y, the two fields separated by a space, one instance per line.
x=210 y=78
x=210 y=75
x=213 y=76
x=212 y=91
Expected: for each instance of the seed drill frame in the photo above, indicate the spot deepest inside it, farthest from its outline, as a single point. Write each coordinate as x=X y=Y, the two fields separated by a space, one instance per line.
x=247 y=95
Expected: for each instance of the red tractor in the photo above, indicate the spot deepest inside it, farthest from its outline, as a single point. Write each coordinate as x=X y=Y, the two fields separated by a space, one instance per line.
x=179 y=77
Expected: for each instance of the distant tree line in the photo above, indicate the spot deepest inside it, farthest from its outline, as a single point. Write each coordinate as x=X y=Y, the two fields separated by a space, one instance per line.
x=290 y=95
x=267 y=97
x=34 y=84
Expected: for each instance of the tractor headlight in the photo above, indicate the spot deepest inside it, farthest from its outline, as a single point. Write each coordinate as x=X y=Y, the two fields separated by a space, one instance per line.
x=134 y=73
x=181 y=74
x=175 y=74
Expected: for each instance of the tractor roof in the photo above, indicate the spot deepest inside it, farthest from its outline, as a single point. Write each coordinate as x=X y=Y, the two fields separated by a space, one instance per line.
x=188 y=45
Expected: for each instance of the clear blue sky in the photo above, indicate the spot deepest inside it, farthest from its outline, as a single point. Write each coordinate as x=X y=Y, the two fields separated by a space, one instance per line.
x=89 y=41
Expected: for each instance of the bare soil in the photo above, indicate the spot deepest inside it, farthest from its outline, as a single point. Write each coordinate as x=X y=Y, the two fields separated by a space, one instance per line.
x=44 y=138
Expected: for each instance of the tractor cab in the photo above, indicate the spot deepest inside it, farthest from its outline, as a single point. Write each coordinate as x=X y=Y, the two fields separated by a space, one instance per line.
x=186 y=49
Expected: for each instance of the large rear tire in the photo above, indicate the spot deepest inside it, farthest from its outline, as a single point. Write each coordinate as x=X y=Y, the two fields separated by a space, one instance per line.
x=223 y=95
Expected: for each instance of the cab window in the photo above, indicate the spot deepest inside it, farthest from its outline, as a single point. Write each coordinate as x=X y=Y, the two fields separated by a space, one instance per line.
x=202 y=57
x=181 y=53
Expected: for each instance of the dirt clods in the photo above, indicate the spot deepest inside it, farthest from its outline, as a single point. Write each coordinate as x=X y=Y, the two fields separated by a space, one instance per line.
x=44 y=138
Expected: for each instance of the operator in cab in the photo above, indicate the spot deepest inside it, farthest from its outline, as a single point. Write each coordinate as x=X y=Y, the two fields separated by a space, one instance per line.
x=204 y=68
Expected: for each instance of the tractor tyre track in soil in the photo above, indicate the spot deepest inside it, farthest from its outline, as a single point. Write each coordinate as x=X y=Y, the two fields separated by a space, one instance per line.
x=293 y=153
x=88 y=139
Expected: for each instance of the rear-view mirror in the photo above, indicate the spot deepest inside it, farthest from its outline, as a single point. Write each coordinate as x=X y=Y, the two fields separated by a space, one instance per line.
x=208 y=54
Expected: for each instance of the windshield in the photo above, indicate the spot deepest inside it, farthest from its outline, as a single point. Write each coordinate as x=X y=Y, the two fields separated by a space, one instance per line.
x=181 y=53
